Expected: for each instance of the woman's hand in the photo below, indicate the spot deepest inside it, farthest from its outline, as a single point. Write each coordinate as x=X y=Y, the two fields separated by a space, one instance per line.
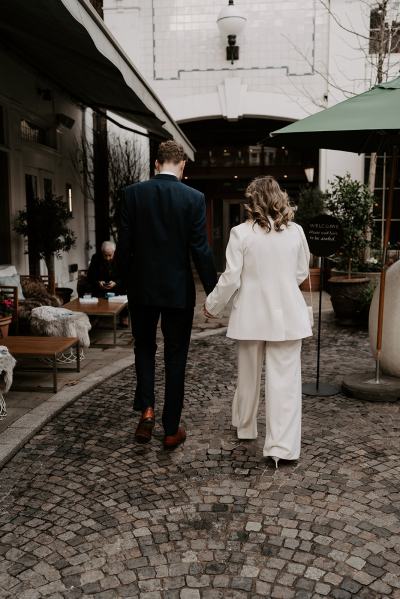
x=111 y=285
x=206 y=312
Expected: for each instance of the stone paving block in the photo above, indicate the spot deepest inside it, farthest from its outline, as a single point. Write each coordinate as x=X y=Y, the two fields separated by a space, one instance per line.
x=190 y=594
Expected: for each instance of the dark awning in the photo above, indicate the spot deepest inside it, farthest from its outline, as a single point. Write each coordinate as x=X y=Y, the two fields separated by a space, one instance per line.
x=68 y=43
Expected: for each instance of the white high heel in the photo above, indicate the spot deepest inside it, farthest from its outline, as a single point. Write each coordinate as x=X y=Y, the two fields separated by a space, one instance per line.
x=276 y=460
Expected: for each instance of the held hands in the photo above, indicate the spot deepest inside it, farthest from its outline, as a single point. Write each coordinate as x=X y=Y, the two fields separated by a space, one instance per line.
x=206 y=313
x=104 y=285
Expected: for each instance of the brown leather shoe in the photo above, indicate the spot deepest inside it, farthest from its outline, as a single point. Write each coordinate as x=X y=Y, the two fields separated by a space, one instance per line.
x=172 y=441
x=145 y=427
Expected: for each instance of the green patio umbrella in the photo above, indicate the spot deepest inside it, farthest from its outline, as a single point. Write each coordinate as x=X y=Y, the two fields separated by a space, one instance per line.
x=368 y=122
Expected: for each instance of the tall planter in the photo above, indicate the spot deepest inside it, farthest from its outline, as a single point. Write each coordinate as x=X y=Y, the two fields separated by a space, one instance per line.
x=315 y=274
x=5 y=322
x=346 y=298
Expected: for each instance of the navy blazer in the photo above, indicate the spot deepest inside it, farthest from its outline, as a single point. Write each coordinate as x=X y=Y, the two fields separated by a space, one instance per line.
x=163 y=224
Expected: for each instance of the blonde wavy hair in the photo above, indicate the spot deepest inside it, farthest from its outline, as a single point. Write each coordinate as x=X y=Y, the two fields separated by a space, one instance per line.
x=266 y=199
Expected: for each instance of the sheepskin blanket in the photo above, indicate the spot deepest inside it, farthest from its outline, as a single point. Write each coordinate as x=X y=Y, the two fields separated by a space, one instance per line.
x=48 y=321
x=7 y=363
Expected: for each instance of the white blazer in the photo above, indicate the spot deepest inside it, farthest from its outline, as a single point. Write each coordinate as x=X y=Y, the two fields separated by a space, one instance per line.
x=264 y=270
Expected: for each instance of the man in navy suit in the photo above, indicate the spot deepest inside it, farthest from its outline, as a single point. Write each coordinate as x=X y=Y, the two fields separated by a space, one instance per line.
x=163 y=226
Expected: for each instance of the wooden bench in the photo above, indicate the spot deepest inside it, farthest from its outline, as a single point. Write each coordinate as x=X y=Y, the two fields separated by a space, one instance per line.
x=42 y=347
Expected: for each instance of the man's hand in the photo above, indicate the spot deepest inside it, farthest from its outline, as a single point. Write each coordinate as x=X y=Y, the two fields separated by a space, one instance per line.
x=102 y=285
x=206 y=313
x=111 y=285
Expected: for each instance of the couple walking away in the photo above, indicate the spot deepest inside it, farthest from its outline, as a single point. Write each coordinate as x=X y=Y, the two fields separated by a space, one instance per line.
x=163 y=226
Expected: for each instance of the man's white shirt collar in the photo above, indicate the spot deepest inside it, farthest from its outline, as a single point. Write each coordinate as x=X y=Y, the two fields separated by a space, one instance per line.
x=167 y=173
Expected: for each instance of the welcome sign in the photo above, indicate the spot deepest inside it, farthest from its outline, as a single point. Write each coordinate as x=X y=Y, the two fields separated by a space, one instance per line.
x=324 y=235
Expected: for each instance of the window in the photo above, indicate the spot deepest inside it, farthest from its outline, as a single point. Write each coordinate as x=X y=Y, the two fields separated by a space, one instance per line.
x=383 y=167
x=47 y=188
x=32 y=133
x=36 y=134
x=382 y=38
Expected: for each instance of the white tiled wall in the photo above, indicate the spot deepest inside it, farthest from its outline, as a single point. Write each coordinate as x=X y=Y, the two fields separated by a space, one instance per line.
x=177 y=43
x=295 y=56
x=285 y=49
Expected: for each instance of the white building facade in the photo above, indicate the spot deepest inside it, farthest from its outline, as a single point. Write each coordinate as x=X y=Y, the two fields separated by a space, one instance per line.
x=295 y=58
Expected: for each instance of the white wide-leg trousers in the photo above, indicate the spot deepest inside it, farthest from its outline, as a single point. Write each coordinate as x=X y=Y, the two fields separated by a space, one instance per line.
x=282 y=395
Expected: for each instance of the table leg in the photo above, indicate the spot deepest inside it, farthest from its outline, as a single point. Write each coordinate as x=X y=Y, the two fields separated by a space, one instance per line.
x=115 y=329
x=78 y=357
x=55 y=374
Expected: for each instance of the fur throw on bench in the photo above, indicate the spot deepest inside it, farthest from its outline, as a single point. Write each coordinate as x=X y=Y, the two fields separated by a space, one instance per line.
x=7 y=363
x=49 y=321
x=36 y=295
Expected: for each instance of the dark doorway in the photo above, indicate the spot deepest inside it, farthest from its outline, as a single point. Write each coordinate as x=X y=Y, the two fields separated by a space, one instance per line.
x=229 y=154
x=5 y=237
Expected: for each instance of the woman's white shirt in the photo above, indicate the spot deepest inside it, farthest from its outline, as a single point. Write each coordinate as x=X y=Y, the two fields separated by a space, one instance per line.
x=264 y=271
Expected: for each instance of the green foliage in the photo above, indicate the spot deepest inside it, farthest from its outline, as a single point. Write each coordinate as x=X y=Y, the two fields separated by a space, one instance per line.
x=45 y=222
x=351 y=203
x=6 y=304
x=311 y=203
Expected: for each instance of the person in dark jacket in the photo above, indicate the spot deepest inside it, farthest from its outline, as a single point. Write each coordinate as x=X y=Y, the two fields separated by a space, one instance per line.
x=162 y=228
x=102 y=274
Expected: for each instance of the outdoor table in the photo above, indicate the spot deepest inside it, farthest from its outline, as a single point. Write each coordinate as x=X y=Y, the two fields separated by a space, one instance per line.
x=102 y=308
x=22 y=346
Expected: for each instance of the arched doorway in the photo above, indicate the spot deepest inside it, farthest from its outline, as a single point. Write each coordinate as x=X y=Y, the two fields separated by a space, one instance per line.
x=229 y=155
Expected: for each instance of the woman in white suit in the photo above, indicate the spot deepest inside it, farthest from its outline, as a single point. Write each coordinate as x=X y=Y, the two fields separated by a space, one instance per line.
x=266 y=260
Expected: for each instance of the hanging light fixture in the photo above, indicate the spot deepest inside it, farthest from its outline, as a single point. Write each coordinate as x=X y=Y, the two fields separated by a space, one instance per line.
x=231 y=22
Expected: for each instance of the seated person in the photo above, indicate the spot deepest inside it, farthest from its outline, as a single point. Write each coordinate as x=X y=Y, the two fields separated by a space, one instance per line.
x=102 y=274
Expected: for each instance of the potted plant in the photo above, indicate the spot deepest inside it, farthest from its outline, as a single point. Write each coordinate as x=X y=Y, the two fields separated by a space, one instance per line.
x=46 y=224
x=6 y=311
x=311 y=203
x=351 y=203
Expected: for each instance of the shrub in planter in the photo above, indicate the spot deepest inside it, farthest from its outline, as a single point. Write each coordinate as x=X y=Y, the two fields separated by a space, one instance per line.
x=46 y=224
x=351 y=203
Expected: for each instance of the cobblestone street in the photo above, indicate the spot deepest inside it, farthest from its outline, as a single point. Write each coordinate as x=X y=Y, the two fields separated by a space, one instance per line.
x=85 y=512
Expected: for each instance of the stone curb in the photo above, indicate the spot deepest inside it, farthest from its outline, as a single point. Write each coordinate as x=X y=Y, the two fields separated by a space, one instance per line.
x=23 y=429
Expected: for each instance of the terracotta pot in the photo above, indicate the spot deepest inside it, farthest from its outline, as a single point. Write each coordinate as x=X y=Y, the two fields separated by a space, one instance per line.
x=5 y=322
x=345 y=297
x=373 y=277
x=315 y=280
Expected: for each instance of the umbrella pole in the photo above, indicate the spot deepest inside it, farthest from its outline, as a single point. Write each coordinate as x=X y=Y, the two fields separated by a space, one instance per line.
x=389 y=211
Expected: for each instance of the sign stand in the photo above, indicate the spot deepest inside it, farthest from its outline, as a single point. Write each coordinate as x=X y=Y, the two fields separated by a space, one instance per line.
x=324 y=236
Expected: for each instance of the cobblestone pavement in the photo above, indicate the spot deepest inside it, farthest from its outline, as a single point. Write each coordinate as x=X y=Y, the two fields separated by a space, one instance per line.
x=85 y=512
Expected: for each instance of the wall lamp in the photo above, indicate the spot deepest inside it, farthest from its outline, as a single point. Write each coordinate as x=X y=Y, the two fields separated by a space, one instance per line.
x=63 y=120
x=231 y=22
x=309 y=173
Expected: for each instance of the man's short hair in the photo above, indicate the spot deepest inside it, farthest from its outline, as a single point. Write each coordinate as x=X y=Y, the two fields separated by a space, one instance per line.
x=170 y=151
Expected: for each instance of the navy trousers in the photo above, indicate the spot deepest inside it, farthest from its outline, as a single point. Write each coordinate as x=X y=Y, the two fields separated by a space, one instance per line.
x=176 y=326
